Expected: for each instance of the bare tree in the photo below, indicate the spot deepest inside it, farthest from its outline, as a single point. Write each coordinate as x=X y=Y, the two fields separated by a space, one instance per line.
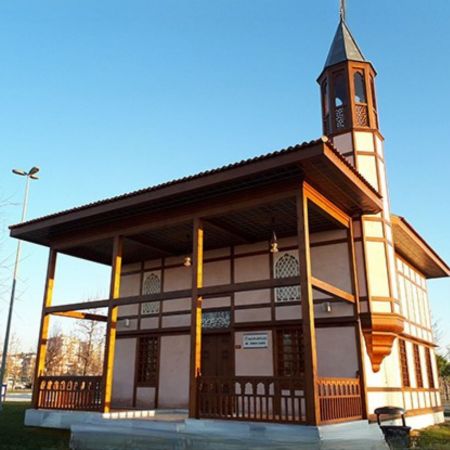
x=90 y=356
x=13 y=363
x=54 y=354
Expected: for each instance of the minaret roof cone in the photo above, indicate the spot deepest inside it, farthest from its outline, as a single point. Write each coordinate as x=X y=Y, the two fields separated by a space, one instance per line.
x=343 y=47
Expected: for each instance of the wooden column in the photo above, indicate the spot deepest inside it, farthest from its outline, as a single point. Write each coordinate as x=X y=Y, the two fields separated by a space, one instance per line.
x=307 y=305
x=196 y=317
x=358 y=328
x=110 y=344
x=45 y=322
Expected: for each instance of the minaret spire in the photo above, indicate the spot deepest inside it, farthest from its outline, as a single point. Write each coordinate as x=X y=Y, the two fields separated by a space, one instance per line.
x=342 y=10
x=350 y=121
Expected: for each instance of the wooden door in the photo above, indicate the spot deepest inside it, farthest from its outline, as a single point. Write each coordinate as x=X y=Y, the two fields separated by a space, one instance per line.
x=217 y=355
x=218 y=370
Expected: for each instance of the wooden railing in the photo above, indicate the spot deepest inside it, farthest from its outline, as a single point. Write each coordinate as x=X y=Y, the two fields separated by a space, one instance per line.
x=70 y=392
x=277 y=399
x=267 y=399
x=340 y=399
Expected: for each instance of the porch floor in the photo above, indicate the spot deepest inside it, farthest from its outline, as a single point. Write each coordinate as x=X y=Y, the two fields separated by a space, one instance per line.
x=171 y=429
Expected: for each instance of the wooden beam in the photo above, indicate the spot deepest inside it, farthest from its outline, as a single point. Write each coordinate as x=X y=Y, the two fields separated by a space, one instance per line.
x=196 y=317
x=114 y=292
x=44 y=327
x=82 y=316
x=225 y=289
x=149 y=245
x=227 y=229
x=94 y=304
x=326 y=206
x=328 y=288
x=209 y=291
x=307 y=305
x=223 y=205
x=358 y=328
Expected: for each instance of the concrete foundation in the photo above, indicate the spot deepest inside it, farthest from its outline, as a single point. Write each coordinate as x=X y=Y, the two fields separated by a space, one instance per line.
x=171 y=429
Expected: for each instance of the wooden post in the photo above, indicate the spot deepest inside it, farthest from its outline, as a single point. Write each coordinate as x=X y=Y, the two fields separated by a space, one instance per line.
x=45 y=322
x=307 y=305
x=114 y=292
x=196 y=318
x=358 y=328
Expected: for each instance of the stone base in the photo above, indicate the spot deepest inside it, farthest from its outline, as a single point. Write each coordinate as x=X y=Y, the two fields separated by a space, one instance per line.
x=164 y=430
x=49 y=418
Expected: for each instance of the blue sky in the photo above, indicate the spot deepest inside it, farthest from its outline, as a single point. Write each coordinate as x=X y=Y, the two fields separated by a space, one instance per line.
x=111 y=96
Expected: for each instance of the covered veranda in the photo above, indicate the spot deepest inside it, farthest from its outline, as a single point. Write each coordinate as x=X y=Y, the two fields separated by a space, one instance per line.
x=308 y=188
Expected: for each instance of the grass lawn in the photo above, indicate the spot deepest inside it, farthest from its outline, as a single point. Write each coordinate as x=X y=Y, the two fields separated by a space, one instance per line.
x=436 y=437
x=14 y=435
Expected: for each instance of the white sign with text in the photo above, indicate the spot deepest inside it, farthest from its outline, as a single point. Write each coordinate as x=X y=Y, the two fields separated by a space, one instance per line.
x=255 y=340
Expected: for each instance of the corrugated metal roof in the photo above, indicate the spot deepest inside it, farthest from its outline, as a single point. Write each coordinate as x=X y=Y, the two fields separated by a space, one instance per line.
x=227 y=167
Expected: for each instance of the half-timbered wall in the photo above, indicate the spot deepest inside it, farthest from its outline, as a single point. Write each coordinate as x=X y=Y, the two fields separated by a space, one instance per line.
x=250 y=311
x=396 y=383
x=414 y=301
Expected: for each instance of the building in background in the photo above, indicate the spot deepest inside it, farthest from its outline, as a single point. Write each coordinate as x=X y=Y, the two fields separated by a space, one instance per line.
x=20 y=370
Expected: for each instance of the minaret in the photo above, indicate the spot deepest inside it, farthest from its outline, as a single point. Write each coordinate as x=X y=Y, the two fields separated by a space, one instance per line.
x=350 y=120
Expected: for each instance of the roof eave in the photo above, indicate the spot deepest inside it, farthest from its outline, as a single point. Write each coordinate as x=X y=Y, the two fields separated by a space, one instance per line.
x=321 y=149
x=441 y=268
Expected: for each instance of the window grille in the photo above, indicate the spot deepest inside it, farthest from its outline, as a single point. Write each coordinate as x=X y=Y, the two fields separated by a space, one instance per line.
x=340 y=117
x=151 y=285
x=431 y=384
x=148 y=356
x=150 y=308
x=340 y=100
x=419 y=378
x=287 y=266
x=290 y=352
x=216 y=319
x=362 y=117
x=404 y=364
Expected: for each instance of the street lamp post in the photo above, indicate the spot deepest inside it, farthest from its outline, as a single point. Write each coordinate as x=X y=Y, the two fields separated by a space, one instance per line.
x=30 y=175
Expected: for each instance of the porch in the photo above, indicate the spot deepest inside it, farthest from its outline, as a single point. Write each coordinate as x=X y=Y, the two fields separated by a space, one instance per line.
x=255 y=399
x=253 y=214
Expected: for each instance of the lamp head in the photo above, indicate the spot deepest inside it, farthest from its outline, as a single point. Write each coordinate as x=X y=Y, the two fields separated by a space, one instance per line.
x=20 y=172
x=274 y=243
x=33 y=171
x=187 y=261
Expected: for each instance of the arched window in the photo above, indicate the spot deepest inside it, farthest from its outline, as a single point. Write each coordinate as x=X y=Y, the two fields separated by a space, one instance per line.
x=340 y=100
x=151 y=285
x=374 y=97
x=325 y=97
x=287 y=266
x=325 y=107
x=340 y=90
x=361 y=112
x=374 y=101
x=360 y=87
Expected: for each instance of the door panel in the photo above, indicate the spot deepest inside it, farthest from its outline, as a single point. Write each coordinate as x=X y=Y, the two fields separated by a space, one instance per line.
x=217 y=355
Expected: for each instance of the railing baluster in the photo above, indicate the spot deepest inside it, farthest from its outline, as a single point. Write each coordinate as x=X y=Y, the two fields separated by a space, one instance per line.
x=340 y=399
x=70 y=392
x=238 y=398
